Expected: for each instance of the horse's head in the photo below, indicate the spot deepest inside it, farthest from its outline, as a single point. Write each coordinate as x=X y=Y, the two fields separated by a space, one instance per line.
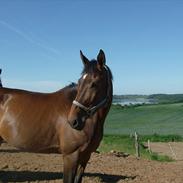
x=92 y=91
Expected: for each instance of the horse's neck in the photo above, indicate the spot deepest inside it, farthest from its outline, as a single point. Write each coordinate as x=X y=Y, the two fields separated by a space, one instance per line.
x=67 y=93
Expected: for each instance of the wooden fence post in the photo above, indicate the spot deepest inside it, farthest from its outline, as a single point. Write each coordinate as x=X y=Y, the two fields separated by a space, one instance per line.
x=137 y=147
x=149 y=146
x=172 y=151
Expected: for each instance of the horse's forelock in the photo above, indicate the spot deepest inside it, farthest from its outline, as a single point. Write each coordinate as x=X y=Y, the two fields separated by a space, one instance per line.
x=92 y=66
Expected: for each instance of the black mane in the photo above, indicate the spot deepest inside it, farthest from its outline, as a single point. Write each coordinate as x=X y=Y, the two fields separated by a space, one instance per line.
x=72 y=85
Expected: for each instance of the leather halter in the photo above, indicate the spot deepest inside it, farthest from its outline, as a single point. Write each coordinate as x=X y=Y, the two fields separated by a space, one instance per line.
x=91 y=110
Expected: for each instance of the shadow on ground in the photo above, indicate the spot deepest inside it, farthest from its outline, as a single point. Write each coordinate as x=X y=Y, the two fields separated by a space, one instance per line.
x=22 y=176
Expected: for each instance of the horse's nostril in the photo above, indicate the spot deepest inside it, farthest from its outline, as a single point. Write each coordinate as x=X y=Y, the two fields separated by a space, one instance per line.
x=75 y=124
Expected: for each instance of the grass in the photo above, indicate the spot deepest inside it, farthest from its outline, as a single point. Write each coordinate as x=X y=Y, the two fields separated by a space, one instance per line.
x=147 y=120
x=125 y=143
x=116 y=142
x=161 y=158
x=161 y=138
x=162 y=119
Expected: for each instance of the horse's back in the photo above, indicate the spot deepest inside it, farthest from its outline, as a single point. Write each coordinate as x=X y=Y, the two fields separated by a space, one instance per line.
x=28 y=119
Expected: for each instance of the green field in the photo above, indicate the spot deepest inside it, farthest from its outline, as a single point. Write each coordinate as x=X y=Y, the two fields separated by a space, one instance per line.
x=125 y=143
x=161 y=119
x=158 y=123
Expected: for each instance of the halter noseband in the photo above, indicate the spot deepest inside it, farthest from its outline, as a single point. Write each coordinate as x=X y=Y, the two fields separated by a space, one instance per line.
x=91 y=110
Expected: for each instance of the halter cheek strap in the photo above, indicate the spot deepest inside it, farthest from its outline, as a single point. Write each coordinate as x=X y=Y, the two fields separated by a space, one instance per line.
x=91 y=110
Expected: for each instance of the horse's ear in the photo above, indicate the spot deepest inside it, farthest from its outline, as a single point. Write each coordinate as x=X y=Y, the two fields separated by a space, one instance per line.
x=101 y=59
x=84 y=59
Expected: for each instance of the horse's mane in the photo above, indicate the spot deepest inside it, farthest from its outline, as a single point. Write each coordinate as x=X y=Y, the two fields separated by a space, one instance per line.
x=71 y=85
x=0 y=79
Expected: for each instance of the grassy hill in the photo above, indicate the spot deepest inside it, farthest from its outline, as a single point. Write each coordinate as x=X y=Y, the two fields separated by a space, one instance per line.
x=146 y=119
x=167 y=98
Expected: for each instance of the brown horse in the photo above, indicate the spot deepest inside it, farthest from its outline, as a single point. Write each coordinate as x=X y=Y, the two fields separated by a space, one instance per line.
x=69 y=121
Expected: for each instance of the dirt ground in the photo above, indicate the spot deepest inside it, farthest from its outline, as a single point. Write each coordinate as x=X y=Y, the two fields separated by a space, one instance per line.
x=171 y=149
x=18 y=166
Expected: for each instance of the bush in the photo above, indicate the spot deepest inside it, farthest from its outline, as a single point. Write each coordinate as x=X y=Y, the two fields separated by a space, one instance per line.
x=161 y=138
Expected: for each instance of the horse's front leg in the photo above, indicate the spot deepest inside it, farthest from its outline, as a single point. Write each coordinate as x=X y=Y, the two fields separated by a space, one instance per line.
x=81 y=167
x=70 y=167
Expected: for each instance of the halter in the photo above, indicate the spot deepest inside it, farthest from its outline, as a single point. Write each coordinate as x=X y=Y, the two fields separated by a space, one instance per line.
x=91 y=110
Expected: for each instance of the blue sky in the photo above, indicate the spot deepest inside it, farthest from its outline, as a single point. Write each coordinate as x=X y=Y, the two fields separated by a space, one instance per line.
x=143 y=42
